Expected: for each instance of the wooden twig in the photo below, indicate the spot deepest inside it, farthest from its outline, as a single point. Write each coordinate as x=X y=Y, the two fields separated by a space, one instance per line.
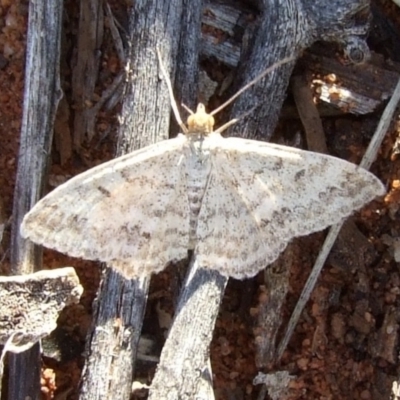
x=366 y=162
x=183 y=372
x=357 y=89
x=227 y=18
x=41 y=97
x=186 y=85
x=119 y=310
x=91 y=113
x=309 y=115
x=269 y=309
x=85 y=72
x=118 y=43
x=86 y=112
x=360 y=89
x=186 y=350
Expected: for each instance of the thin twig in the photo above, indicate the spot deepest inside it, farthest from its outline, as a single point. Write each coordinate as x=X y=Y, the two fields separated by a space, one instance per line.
x=119 y=46
x=381 y=130
x=309 y=114
x=366 y=162
x=105 y=96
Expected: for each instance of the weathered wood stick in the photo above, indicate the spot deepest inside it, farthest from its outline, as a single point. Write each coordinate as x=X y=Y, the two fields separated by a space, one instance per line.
x=119 y=309
x=41 y=97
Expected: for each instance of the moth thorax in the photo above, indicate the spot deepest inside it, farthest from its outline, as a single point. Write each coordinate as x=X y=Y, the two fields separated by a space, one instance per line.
x=200 y=121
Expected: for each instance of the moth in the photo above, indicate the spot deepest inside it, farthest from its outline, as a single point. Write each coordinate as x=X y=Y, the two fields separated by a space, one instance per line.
x=236 y=203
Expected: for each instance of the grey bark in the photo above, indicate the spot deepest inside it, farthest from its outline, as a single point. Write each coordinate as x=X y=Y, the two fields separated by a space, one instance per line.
x=90 y=38
x=186 y=350
x=286 y=28
x=183 y=372
x=30 y=304
x=187 y=74
x=41 y=96
x=112 y=343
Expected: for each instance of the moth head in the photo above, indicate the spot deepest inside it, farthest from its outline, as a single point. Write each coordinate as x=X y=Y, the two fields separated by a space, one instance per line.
x=200 y=122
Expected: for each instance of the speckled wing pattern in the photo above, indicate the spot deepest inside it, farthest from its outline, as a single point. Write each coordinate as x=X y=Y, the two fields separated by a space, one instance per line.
x=132 y=212
x=262 y=195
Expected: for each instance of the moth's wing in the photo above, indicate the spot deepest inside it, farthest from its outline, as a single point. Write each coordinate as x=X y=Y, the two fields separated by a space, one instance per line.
x=262 y=195
x=132 y=211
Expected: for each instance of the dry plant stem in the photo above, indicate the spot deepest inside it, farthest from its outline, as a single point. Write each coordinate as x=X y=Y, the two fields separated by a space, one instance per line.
x=186 y=85
x=309 y=114
x=105 y=96
x=183 y=371
x=85 y=72
x=118 y=43
x=382 y=129
x=366 y=162
x=119 y=309
x=185 y=351
x=41 y=96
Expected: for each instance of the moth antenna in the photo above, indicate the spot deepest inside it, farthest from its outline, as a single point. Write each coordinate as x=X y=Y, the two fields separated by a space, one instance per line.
x=187 y=109
x=171 y=94
x=234 y=120
x=252 y=82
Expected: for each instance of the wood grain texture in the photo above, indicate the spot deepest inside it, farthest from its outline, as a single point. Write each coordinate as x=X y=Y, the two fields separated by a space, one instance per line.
x=41 y=97
x=145 y=119
x=30 y=304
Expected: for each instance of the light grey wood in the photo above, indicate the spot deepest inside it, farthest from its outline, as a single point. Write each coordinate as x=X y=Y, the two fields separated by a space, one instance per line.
x=41 y=96
x=30 y=304
x=186 y=85
x=186 y=350
x=145 y=118
x=183 y=372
